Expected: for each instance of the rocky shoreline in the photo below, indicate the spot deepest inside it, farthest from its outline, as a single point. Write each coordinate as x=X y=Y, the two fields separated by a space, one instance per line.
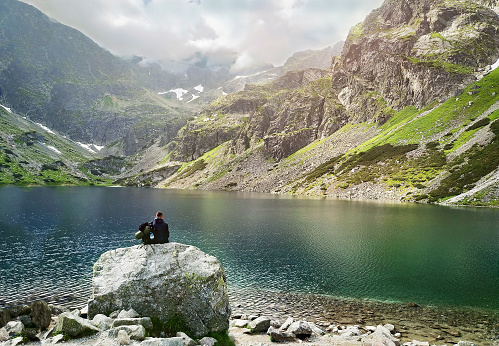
x=343 y=321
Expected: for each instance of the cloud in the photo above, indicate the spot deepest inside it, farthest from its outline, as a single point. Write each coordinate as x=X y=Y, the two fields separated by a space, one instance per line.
x=240 y=33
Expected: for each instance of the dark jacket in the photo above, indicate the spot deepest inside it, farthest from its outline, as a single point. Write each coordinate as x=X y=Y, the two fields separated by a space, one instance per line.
x=160 y=231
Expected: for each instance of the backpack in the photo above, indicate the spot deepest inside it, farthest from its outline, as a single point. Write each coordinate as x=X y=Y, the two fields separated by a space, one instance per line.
x=145 y=232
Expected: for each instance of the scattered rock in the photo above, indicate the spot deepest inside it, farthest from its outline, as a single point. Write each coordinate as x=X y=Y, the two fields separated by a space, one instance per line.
x=259 y=325
x=57 y=309
x=4 y=335
x=41 y=314
x=123 y=338
x=300 y=329
x=26 y=320
x=144 y=321
x=316 y=330
x=240 y=323
x=102 y=321
x=187 y=341
x=19 y=310
x=128 y=314
x=163 y=342
x=135 y=332
x=287 y=323
x=207 y=341
x=278 y=335
x=74 y=326
x=14 y=327
x=381 y=336
x=390 y=327
x=58 y=338
x=4 y=317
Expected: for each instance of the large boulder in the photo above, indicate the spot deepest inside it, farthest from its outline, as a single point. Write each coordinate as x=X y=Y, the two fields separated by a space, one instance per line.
x=176 y=284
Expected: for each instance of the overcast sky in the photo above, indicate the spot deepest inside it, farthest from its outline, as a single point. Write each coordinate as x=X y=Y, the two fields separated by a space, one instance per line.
x=243 y=33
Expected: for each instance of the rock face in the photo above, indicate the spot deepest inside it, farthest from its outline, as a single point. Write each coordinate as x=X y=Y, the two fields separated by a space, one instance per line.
x=413 y=52
x=178 y=284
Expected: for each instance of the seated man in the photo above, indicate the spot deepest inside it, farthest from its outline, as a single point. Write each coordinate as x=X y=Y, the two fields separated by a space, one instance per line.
x=160 y=230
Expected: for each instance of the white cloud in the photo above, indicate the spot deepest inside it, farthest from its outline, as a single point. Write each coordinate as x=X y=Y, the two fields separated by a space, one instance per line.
x=243 y=32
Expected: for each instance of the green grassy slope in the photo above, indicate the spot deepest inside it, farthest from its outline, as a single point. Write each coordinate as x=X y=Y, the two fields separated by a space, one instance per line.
x=32 y=155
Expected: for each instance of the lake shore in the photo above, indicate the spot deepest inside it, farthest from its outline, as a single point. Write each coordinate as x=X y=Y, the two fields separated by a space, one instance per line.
x=436 y=325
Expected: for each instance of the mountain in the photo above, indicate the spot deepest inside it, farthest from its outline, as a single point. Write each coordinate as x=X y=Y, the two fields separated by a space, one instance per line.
x=408 y=112
x=33 y=154
x=55 y=75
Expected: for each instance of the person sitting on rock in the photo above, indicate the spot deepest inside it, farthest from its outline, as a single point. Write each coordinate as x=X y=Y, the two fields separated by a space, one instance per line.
x=160 y=230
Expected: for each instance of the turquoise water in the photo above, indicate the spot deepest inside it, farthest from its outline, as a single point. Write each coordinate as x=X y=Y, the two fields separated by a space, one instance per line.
x=50 y=238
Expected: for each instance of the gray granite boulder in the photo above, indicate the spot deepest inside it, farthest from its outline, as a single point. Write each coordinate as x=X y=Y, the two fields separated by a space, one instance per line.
x=300 y=328
x=14 y=327
x=144 y=321
x=41 y=314
x=260 y=325
x=187 y=341
x=177 y=341
x=178 y=284
x=135 y=332
x=278 y=335
x=74 y=326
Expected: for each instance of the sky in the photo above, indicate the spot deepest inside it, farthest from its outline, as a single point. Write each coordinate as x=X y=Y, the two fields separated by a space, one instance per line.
x=239 y=33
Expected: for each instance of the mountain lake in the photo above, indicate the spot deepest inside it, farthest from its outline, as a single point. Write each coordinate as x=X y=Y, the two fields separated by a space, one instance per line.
x=50 y=238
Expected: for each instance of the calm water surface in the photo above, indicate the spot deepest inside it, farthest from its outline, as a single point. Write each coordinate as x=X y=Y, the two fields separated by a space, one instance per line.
x=50 y=238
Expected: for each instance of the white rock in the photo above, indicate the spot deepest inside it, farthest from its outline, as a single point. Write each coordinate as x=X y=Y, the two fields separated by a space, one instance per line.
x=4 y=334
x=241 y=323
x=102 y=322
x=177 y=341
x=123 y=337
x=14 y=327
x=286 y=324
x=207 y=341
x=135 y=332
x=187 y=341
x=128 y=314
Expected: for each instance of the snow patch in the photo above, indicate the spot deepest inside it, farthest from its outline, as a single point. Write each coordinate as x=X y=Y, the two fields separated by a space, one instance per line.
x=199 y=88
x=6 y=108
x=54 y=149
x=46 y=128
x=179 y=92
x=193 y=98
x=93 y=148
x=495 y=65
x=224 y=93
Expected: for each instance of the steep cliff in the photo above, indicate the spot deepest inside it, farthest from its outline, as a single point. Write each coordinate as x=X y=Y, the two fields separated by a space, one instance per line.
x=410 y=53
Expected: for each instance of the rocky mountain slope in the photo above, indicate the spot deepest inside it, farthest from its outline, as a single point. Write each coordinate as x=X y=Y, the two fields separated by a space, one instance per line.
x=33 y=154
x=408 y=112
x=55 y=75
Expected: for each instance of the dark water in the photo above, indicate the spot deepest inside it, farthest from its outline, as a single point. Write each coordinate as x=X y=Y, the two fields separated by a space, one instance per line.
x=50 y=238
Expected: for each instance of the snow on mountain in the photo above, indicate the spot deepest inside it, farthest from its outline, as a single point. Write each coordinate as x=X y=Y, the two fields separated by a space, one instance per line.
x=179 y=92
x=6 y=108
x=46 y=128
x=193 y=98
x=54 y=149
x=93 y=148
x=199 y=88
